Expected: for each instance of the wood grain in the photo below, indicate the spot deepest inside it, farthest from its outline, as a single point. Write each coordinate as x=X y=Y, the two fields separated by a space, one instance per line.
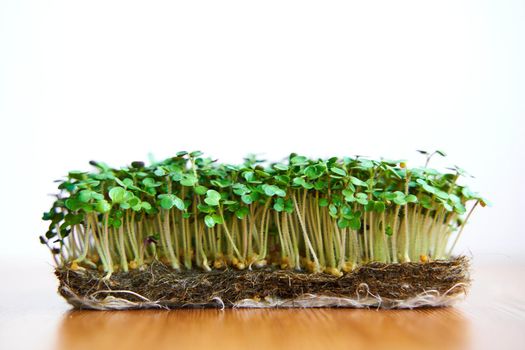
x=492 y=316
x=265 y=329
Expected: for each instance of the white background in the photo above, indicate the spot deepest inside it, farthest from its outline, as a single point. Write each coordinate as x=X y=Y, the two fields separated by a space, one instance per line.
x=115 y=80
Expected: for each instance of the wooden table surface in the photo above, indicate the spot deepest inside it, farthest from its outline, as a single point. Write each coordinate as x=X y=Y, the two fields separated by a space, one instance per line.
x=33 y=316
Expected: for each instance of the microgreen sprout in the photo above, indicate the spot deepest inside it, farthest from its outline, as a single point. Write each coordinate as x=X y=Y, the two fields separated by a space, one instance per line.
x=319 y=215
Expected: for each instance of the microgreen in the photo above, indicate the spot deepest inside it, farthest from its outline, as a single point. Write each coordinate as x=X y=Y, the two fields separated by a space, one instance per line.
x=316 y=214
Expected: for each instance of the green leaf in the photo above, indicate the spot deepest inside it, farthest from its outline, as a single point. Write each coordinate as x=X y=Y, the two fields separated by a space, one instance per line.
x=278 y=205
x=429 y=189
x=323 y=202
x=454 y=198
x=217 y=218
x=379 y=207
x=85 y=195
x=203 y=208
x=222 y=183
x=346 y=211
x=299 y=160
x=262 y=173
x=366 y=163
x=179 y=203
x=240 y=189
x=361 y=198
x=358 y=182
x=389 y=196
x=282 y=179
x=389 y=231
x=332 y=209
x=400 y=200
x=441 y=194
x=370 y=206
x=212 y=198
x=350 y=199
x=279 y=192
x=426 y=202
x=73 y=204
x=195 y=154
x=188 y=180
x=208 y=220
x=301 y=182
x=211 y=201
x=467 y=193
x=313 y=171
x=242 y=212
x=288 y=206
x=348 y=192
x=200 y=190
x=150 y=182
x=166 y=202
x=213 y=194
x=355 y=223
x=411 y=198
x=97 y=196
x=247 y=198
x=280 y=166
x=338 y=171
x=269 y=190
x=116 y=223
x=320 y=185
x=159 y=172
x=117 y=194
x=459 y=208
x=250 y=177
x=103 y=206
x=343 y=223
x=128 y=183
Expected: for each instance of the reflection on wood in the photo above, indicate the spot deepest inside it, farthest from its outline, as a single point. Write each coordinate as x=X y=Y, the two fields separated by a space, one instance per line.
x=444 y=328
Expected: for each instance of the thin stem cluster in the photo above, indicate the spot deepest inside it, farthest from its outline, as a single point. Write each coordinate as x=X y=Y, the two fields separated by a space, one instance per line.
x=322 y=215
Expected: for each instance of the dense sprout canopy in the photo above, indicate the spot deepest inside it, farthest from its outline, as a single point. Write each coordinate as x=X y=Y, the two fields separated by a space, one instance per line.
x=303 y=212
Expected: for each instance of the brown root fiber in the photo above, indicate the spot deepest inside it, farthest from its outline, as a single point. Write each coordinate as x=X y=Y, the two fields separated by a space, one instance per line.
x=392 y=285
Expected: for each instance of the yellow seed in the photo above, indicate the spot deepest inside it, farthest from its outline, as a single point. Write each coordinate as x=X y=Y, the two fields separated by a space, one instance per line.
x=219 y=263
x=240 y=266
x=423 y=258
x=74 y=266
x=234 y=261
x=95 y=258
x=310 y=266
x=333 y=271
x=347 y=267
x=133 y=265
